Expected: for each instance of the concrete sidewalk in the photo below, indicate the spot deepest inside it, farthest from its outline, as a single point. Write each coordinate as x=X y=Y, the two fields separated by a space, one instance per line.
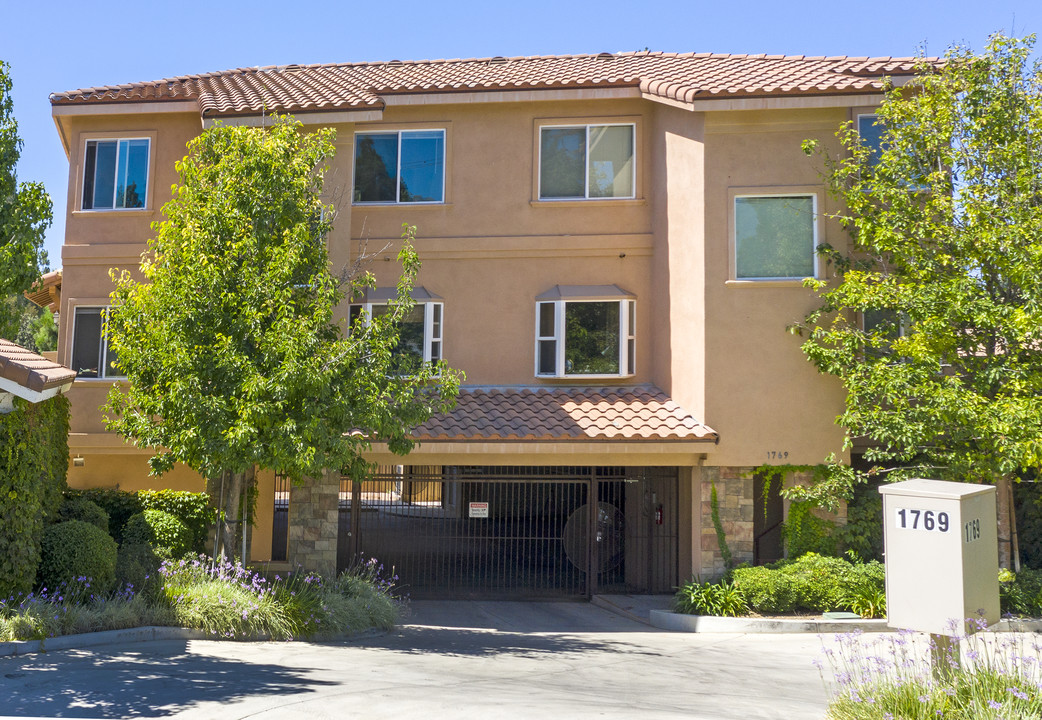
x=449 y=660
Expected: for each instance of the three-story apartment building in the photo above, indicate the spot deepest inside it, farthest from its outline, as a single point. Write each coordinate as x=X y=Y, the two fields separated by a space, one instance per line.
x=612 y=247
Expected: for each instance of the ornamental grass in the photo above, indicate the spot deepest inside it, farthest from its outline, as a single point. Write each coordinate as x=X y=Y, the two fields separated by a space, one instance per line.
x=226 y=600
x=890 y=677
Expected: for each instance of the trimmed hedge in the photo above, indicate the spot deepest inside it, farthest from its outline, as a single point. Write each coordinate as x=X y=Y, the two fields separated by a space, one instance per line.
x=85 y=510
x=812 y=583
x=162 y=531
x=75 y=549
x=193 y=509
x=34 y=460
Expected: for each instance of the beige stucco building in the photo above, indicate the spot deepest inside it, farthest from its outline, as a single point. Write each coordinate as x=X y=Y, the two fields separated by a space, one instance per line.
x=612 y=247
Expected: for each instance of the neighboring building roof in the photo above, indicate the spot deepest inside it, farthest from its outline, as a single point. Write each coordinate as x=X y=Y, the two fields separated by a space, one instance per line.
x=31 y=371
x=563 y=414
x=682 y=77
x=47 y=292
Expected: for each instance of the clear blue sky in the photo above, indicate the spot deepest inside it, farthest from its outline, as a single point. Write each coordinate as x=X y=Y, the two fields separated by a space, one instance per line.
x=56 y=45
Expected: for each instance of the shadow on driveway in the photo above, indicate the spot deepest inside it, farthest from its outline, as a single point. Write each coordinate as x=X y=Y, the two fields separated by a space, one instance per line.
x=158 y=680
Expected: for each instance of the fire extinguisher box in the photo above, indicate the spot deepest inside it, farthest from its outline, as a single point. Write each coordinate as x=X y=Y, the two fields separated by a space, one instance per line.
x=941 y=552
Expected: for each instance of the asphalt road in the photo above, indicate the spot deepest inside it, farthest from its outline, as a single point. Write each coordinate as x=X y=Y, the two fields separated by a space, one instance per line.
x=449 y=660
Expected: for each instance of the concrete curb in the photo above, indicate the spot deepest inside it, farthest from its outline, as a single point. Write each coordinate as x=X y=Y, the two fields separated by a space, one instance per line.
x=711 y=624
x=106 y=637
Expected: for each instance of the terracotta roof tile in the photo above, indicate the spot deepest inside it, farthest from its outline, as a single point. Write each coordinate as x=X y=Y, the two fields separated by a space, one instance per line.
x=684 y=77
x=562 y=414
x=30 y=370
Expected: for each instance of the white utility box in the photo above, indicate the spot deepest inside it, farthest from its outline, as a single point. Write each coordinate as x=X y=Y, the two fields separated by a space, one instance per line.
x=942 y=557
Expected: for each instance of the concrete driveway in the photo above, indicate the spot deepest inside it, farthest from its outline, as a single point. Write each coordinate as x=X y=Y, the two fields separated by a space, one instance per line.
x=449 y=660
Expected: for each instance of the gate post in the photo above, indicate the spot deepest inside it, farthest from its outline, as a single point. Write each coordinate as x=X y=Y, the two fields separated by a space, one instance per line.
x=314 y=522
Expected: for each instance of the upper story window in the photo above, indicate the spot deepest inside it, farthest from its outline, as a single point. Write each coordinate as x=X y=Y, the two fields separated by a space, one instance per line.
x=115 y=174
x=775 y=236
x=420 y=333
x=580 y=162
x=870 y=130
x=91 y=355
x=585 y=331
x=407 y=166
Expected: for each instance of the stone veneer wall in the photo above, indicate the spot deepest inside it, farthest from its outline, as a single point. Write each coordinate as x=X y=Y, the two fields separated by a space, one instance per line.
x=734 y=493
x=313 y=523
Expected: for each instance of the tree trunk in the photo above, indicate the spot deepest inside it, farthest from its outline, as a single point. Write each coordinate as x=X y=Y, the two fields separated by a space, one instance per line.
x=1004 y=507
x=225 y=495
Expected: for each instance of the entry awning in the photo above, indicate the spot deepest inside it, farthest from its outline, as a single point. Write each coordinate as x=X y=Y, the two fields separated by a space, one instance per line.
x=642 y=413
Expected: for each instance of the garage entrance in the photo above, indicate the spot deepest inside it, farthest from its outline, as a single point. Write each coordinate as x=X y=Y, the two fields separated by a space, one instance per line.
x=515 y=532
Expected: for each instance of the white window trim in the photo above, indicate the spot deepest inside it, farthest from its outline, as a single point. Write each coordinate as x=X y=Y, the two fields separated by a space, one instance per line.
x=429 y=337
x=627 y=333
x=586 y=165
x=148 y=175
x=103 y=342
x=815 y=219
x=398 y=170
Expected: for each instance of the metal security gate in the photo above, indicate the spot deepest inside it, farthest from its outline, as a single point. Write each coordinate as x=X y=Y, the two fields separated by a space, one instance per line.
x=513 y=532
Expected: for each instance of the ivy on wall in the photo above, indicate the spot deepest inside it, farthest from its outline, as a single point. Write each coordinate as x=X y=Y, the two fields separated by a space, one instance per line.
x=34 y=461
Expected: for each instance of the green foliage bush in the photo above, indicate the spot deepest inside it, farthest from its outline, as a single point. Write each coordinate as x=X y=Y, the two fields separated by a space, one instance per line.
x=34 y=459
x=805 y=532
x=863 y=531
x=75 y=549
x=812 y=583
x=191 y=508
x=137 y=570
x=79 y=508
x=164 y=532
x=697 y=598
x=1021 y=593
x=119 y=504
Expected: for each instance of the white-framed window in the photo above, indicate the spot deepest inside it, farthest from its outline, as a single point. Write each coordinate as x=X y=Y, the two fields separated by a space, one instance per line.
x=91 y=355
x=421 y=331
x=115 y=174
x=587 y=162
x=775 y=236
x=870 y=131
x=585 y=331
x=404 y=166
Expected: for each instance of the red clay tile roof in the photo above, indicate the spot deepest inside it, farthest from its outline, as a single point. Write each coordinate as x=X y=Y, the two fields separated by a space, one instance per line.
x=677 y=76
x=30 y=370
x=563 y=414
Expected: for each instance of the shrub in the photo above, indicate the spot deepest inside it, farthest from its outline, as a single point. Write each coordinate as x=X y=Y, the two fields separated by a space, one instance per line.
x=1021 y=593
x=696 y=598
x=766 y=590
x=810 y=583
x=862 y=534
x=119 y=504
x=76 y=549
x=191 y=508
x=137 y=570
x=166 y=534
x=80 y=508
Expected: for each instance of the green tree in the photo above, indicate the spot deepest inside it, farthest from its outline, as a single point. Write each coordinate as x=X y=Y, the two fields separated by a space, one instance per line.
x=934 y=321
x=25 y=213
x=232 y=348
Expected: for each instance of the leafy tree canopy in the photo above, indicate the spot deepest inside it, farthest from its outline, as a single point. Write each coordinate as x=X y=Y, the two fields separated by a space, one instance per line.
x=233 y=350
x=934 y=323
x=25 y=213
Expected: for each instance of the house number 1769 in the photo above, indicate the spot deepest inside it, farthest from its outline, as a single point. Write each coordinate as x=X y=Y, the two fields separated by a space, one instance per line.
x=909 y=519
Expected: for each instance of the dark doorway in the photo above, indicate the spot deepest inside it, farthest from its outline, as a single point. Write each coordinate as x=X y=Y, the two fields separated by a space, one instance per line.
x=768 y=516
